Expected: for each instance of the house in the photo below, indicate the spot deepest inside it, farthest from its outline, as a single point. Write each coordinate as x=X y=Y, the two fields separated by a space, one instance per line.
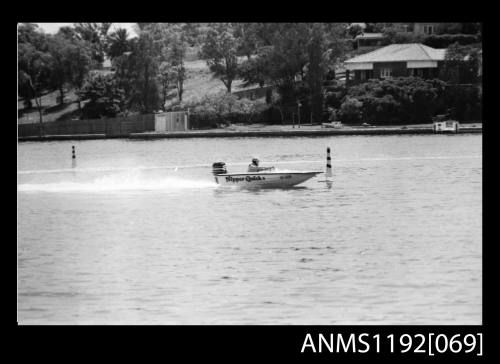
x=425 y=28
x=369 y=41
x=395 y=60
x=403 y=27
x=417 y=28
x=361 y=25
x=106 y=64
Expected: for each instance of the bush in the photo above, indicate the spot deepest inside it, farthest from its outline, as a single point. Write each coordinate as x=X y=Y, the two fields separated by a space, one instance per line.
x=351 y=111
x=381 y=110
x=106 y=99
x=334 y=96
x=410 y=100
x=223 y=108
x=398 y=100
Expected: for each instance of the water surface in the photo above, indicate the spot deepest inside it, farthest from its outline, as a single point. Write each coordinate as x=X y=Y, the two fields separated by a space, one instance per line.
x=138 y=232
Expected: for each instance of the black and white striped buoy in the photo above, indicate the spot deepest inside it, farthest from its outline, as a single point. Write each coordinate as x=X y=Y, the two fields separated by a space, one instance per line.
x=328 y=164
x=73 y=156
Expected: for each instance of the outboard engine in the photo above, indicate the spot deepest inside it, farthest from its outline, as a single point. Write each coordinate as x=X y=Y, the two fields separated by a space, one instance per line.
x=218 y=168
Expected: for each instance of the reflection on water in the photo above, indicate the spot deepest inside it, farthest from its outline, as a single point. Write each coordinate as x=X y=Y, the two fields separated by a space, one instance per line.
x=125 y=237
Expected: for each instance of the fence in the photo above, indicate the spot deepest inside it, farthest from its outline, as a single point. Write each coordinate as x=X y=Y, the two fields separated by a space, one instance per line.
x=254 y=93
x=121 y=126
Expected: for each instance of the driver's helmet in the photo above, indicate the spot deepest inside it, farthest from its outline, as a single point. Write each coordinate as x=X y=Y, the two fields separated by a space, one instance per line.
x=255 y=161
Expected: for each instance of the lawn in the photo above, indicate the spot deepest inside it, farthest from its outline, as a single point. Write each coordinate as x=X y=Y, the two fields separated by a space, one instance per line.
x=51 y=110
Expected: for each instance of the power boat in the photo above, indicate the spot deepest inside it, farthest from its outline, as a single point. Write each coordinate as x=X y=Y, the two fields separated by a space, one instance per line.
x=265 y=179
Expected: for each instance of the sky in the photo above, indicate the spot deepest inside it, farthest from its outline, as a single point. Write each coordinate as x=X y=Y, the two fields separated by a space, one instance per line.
x=54 y=27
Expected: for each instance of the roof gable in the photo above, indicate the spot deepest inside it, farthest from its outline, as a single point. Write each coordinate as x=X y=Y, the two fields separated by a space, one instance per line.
x=401 y=53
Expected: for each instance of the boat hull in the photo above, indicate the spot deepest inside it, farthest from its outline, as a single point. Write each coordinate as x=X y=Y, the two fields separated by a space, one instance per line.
x=263 y=179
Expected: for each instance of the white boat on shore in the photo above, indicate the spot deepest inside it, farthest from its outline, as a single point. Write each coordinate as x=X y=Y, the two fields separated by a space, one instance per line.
x=278 y=179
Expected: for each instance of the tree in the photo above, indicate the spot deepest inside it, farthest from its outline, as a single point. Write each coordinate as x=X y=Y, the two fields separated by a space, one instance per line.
x=95 y=34
x=71 y=61
x=247 y=38
x=174 y=53
x=34 y=65
x=461 y=64
x=117 y=43
x=68 y=33
x=298 y=51
x=255 y=70
x=106 y=98
x=29 y=34
x=60 y=48
x=137 y=73
x=166 y=78
x=170 y=42
x=220 y=51
x=315 y=75
x=354 y=30
x=374 y=27
x=79 y=63
x=284 y=60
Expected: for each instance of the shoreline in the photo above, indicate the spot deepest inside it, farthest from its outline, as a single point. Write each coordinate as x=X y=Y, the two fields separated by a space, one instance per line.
x=265 y=131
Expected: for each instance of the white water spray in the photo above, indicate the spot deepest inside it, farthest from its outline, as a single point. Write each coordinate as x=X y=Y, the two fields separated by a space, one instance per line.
x=119 y=182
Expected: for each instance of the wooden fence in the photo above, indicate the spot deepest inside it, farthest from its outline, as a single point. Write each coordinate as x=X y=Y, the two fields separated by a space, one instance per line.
x=121 y=126
x=254 y=93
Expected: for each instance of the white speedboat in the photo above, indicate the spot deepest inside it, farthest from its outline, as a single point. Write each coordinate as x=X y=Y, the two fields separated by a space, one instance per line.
x=278 y=179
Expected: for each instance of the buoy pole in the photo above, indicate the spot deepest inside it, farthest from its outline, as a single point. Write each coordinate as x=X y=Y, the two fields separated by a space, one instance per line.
x=328 y=163
x=73 y=157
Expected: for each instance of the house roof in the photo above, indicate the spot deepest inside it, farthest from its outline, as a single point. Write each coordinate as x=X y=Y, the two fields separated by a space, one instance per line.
x=401 y=53
x=370 y=36
x=362 y=25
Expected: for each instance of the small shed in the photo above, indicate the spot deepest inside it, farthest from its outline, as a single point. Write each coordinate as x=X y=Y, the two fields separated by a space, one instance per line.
x=172 y=121
x=446 y=126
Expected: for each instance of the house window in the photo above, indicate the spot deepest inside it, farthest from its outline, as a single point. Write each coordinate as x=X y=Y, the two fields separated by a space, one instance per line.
x=429 y=29
x=385 y=72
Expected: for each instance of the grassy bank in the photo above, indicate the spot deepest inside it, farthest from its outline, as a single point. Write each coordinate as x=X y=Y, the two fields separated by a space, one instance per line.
x=199 y=82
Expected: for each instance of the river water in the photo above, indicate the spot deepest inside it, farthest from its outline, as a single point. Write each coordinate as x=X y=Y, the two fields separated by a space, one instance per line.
x=138 y=232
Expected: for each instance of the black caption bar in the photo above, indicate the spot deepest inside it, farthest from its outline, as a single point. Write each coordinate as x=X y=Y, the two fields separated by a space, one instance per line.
x=285 y=343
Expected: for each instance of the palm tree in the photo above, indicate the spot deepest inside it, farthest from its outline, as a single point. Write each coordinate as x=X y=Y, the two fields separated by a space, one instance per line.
x=118 y=43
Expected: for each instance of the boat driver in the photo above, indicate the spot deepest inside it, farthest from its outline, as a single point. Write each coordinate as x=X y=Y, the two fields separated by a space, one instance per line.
x=254 y=166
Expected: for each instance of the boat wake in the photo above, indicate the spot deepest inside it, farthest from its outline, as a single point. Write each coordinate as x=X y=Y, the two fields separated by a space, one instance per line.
x=119 y=182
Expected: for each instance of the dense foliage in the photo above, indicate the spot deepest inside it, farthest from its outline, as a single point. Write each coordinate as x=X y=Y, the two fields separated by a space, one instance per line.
x=223 y=109
x=445 y=40
x=105 y=97
x=408 y=100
